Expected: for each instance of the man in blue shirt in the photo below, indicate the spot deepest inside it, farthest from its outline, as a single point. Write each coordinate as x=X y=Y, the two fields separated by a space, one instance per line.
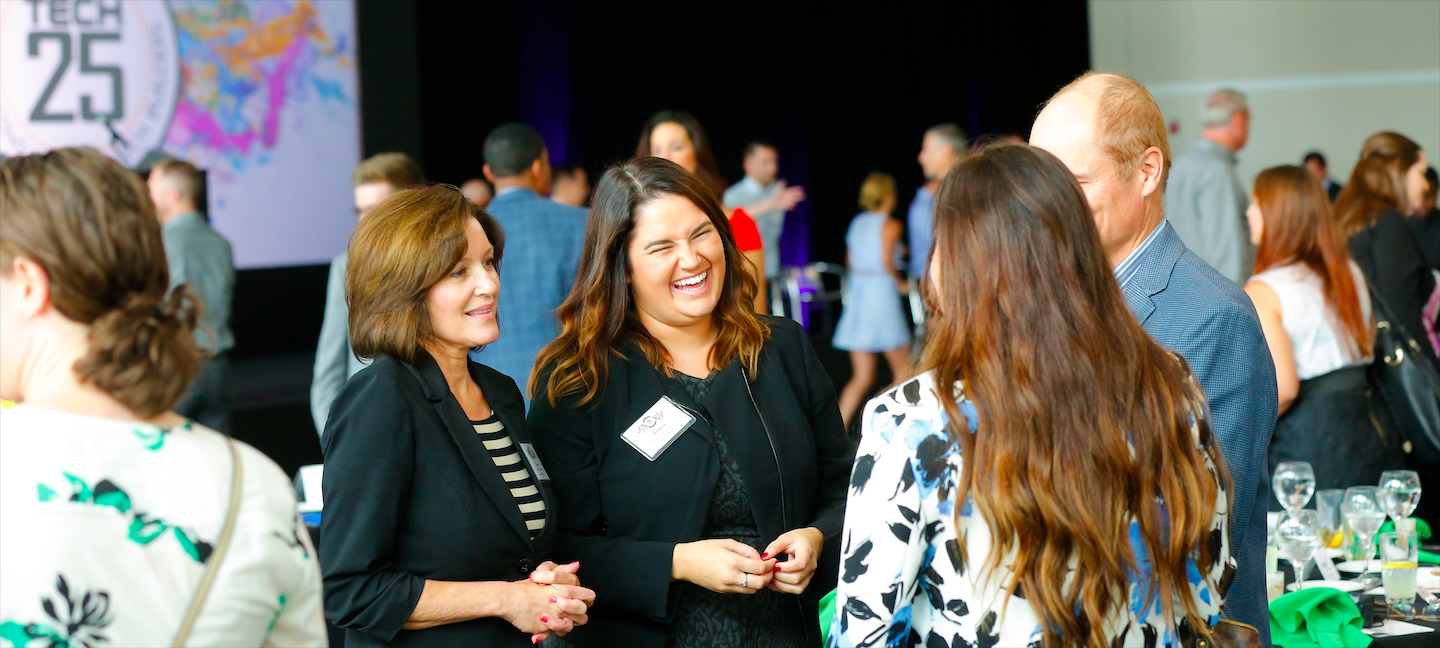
x=1108 y=130
x=200 y=257
x=939 y=150
x=544 y=241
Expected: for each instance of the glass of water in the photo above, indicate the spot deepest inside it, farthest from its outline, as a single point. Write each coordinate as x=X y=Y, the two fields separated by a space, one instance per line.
x=1362 y=511
x=1294 y=483
x=1297 y=537
x=1400 y=559
x=1399 y=494
x=1327 y=504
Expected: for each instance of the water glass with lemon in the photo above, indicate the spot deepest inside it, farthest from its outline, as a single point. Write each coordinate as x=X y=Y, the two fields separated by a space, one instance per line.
x=1400 y=559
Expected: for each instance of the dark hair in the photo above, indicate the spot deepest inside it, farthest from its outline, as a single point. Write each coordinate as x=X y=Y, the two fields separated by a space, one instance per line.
x=1377 y=182
x=1316 y=156
x=759 y=144
x=1433 y=179
x=600 y=312
x=705 y=165
x=511 y=148
x=89 y=222
x=406 y=244
x=1299 y=229
x=565 y=170
x=1087 y=419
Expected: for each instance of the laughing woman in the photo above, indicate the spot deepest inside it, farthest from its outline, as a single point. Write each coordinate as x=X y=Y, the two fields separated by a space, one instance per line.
x=696 y=448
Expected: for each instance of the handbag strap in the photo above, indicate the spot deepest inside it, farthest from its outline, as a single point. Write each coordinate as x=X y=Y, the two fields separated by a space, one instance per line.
x=212 y=566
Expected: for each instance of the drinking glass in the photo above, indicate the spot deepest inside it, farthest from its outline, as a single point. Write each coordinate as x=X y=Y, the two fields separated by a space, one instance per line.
x=1400 y=559
x=1327 y=505
x=1294 y=483
x=1362 y=512
x=1297 y=536
x=1399 y=494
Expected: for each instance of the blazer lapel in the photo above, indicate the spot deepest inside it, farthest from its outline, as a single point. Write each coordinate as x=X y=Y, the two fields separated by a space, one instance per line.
x=512 y=416
x=1153 y=275
x=728 y=399
x=437 y=391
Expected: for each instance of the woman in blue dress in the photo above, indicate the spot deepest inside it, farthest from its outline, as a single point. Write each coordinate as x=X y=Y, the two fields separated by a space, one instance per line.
x=873 y=321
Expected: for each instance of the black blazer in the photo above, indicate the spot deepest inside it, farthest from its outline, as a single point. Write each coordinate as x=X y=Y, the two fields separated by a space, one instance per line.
x=622 y=515
x=1394 y=265
x=404 y=502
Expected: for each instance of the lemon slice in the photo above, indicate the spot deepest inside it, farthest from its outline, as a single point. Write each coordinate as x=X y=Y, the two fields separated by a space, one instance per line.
x=1395 y=564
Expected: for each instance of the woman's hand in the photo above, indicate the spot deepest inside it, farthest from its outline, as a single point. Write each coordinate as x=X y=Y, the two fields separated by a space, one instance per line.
x=724 y=566
x=541 y=609
x=803 y=547
x=548 y=573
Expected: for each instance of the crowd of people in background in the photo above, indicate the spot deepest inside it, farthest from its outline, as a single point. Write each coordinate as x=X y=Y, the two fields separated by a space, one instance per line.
x=529 y=373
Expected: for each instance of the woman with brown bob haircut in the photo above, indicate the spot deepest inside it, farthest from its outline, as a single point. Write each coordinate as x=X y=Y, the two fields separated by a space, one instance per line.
x=1315 y=311
x=438 y=514
x=115 y=509
x=697 y=450
x=1050 y=478
x=1387 y=182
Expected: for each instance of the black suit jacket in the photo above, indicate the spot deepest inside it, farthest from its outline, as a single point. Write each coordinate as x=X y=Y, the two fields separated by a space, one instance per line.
x=404 y=502
x=622 y=515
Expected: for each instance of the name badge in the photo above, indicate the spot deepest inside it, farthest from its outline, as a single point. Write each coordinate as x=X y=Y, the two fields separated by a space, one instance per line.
x=528 y=449
x=658 y=428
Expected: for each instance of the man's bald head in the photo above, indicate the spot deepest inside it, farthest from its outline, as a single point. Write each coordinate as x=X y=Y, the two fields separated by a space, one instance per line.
x=1108 y=130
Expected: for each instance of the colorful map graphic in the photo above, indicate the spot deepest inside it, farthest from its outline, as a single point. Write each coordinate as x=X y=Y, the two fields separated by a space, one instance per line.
x=267 y=82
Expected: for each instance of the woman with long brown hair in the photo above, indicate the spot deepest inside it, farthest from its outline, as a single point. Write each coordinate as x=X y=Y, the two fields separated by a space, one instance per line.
x=1050 y=478
x=695 y=447
x=1315 y=311
x=1388 y=182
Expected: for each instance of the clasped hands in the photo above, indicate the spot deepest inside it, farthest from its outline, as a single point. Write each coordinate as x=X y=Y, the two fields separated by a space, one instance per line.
x=732 y=567
x=551 y=600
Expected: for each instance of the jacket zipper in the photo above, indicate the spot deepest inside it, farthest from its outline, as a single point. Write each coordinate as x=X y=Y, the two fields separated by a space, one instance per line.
x=784 y=518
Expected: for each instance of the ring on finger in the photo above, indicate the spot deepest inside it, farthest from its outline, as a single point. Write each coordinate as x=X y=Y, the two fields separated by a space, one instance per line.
x=744 y=580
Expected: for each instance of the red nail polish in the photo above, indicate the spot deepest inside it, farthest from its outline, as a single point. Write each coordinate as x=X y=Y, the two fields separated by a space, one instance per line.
x=534 y=639
x=765 y=556
x=777 y=567
x=552 y=599
x=544 y=618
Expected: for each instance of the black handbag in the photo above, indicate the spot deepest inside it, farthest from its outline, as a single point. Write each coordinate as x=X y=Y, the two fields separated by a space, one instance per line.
x=1408 y=383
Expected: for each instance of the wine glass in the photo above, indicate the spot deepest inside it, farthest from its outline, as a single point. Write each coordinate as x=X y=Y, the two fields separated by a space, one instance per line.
x=1363 y=513
x=1399 y=494
x=1294 y=483
x=1297 y=537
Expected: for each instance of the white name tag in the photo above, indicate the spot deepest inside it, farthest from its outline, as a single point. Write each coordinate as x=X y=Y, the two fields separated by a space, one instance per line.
x=528 y=449
x=1327 y=568
x=658 y=428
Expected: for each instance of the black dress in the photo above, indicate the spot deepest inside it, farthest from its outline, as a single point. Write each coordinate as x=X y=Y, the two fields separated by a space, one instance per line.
x=706 y=619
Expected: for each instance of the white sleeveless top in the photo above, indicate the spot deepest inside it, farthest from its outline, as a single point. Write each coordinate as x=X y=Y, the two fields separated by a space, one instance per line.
x=1316 y=336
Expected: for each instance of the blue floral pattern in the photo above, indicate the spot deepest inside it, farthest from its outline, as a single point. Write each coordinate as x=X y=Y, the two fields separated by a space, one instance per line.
x=903 y=581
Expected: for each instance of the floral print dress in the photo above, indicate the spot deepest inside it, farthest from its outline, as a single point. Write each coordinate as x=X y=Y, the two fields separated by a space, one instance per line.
x=109 y=526
x=902 y=579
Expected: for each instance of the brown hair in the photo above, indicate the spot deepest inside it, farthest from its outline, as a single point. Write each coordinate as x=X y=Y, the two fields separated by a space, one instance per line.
x=876 y=187
x=408 y=243
x=1377 y=183
x=89 y=222
x=705 y=165
x=1127 y=121
x=183 y=177
x=1087 y=419
x=600 y=312
x=397 y=169
x=1299 y=229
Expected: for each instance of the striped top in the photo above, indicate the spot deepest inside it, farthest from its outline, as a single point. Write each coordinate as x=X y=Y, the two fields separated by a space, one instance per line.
x=1127 y=268
x=506 y=456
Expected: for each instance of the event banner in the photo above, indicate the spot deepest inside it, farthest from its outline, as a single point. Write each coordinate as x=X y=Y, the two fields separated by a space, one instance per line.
x=262 y=95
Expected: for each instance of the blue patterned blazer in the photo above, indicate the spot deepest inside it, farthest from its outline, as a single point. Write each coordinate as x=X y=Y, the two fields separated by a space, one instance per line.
x=1191 y=308
x=543 y=244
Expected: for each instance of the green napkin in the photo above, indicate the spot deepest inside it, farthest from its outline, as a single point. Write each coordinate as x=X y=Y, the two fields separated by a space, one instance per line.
x=1422 y=529
x=1323 y=617
x=827 y=616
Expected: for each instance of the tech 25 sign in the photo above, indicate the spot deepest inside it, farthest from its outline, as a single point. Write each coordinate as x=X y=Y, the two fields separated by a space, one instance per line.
x=102 y=73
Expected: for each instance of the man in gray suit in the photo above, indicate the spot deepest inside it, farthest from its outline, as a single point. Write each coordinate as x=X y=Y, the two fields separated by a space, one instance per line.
x=1206 y=201
x=200 y=257
x=544 y=241
x=374 y=180
x=1108 y=130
